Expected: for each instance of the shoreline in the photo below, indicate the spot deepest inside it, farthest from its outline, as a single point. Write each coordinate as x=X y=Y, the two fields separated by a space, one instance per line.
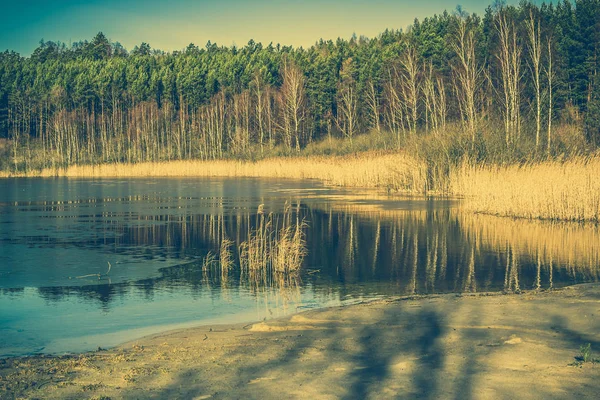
x=392 y=171
x=431 y=346
x=556 y=190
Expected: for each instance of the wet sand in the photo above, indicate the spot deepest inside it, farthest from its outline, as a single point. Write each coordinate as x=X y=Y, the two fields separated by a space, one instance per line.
x=479 y=346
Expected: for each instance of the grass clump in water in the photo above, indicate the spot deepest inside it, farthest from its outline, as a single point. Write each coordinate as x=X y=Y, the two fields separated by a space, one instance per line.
x=276 y=246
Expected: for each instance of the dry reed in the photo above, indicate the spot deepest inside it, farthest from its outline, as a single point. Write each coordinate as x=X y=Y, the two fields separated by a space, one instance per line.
x=275 y=246
x=393 y=171
x=225 y=258
x=556 y=190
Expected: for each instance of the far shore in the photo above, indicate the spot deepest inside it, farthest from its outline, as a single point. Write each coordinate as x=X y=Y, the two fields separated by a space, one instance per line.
x=483 y=346
x=556 y=190
x=393 y=171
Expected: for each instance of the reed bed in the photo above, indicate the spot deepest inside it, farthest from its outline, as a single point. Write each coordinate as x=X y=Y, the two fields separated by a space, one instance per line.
x=554 y=190
x=394 y=171
x=225 y=258
x=269 y=259
x=566 y=190
x=276 y=246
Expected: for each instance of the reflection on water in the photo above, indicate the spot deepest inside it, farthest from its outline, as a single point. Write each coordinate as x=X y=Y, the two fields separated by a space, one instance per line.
x=157 y=234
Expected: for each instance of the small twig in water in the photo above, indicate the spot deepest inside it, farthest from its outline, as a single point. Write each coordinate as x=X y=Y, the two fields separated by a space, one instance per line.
x=98 y=275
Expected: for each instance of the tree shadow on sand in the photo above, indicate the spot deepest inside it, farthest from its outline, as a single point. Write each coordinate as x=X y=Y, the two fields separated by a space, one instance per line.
x=409 y=352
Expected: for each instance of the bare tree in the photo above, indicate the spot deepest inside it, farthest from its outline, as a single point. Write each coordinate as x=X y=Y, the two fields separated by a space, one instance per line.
x=410 y=87
x=394 y=114
x=261 y=105
x=510 y=65
x=550 y=78
x=434 y=93
x=270 y=114
x=347 y=115
x=440 y=104
x=535 y=53
x=240 y=134
x=292 y=103
x=428 y=98
x=467 y=75
x=373 y=103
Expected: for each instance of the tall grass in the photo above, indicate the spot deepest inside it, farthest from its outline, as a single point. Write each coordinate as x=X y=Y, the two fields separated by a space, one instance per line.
x=269 y=259
x=277 y=245
x=394 y=171
x=226 y=262
x=555 y=190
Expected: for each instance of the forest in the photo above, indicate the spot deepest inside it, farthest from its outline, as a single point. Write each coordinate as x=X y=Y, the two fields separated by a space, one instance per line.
x=518 y=83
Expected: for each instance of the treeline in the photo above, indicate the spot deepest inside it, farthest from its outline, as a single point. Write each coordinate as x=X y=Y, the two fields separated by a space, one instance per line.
x=522 y=69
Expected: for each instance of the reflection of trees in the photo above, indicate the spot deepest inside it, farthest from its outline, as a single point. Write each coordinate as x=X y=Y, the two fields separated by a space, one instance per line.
x=102 y=294
x=363 y=252
x=539 y=252
x=12 y=291
x=441 y=251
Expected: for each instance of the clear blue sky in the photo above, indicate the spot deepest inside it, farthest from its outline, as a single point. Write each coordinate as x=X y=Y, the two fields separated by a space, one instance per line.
x=173 y=25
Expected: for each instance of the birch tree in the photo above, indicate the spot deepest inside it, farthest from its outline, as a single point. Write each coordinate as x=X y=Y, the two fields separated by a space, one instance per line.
x=347 y=115
x=509 y=57
x=535 y=54
x=467 y=75
x=410 y=85
x=374 y=107
x=550 y=81
x=292 y=98
x=262 y=105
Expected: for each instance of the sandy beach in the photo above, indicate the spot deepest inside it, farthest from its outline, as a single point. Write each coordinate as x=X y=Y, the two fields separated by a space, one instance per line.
x=479 y=346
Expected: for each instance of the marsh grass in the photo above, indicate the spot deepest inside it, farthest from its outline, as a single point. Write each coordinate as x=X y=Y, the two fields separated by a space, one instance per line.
x=393 y=171
x=268 y=261
x=553 y=190
x=585 y=356
x=586 y=352
x=226 y=262
x=276 y=246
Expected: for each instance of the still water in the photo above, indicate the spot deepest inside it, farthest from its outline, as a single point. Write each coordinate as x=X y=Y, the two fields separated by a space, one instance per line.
x=59 y=236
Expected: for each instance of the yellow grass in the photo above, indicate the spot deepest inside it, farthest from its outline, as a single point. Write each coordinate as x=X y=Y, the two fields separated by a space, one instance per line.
x=568 y=191
x=393 y=171
x=276 y=245
x=559 y=190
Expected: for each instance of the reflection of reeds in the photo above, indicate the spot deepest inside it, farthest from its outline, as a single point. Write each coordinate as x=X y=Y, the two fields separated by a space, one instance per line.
x=573 y=246
x=448 y=249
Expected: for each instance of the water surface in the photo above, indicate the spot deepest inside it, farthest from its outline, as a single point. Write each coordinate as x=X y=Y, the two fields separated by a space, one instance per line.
x=58 y=237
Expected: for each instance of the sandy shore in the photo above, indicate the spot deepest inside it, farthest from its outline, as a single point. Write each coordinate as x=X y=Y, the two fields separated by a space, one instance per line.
x=471 y=346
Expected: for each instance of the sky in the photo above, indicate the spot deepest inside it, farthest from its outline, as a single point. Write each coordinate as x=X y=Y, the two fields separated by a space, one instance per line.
x=172 y=25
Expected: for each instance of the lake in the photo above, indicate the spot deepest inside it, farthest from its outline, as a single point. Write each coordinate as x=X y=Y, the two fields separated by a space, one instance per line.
x=93 y=263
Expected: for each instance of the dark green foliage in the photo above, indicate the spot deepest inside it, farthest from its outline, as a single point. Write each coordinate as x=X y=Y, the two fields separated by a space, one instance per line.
x=592 y=121
x=103 y=93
